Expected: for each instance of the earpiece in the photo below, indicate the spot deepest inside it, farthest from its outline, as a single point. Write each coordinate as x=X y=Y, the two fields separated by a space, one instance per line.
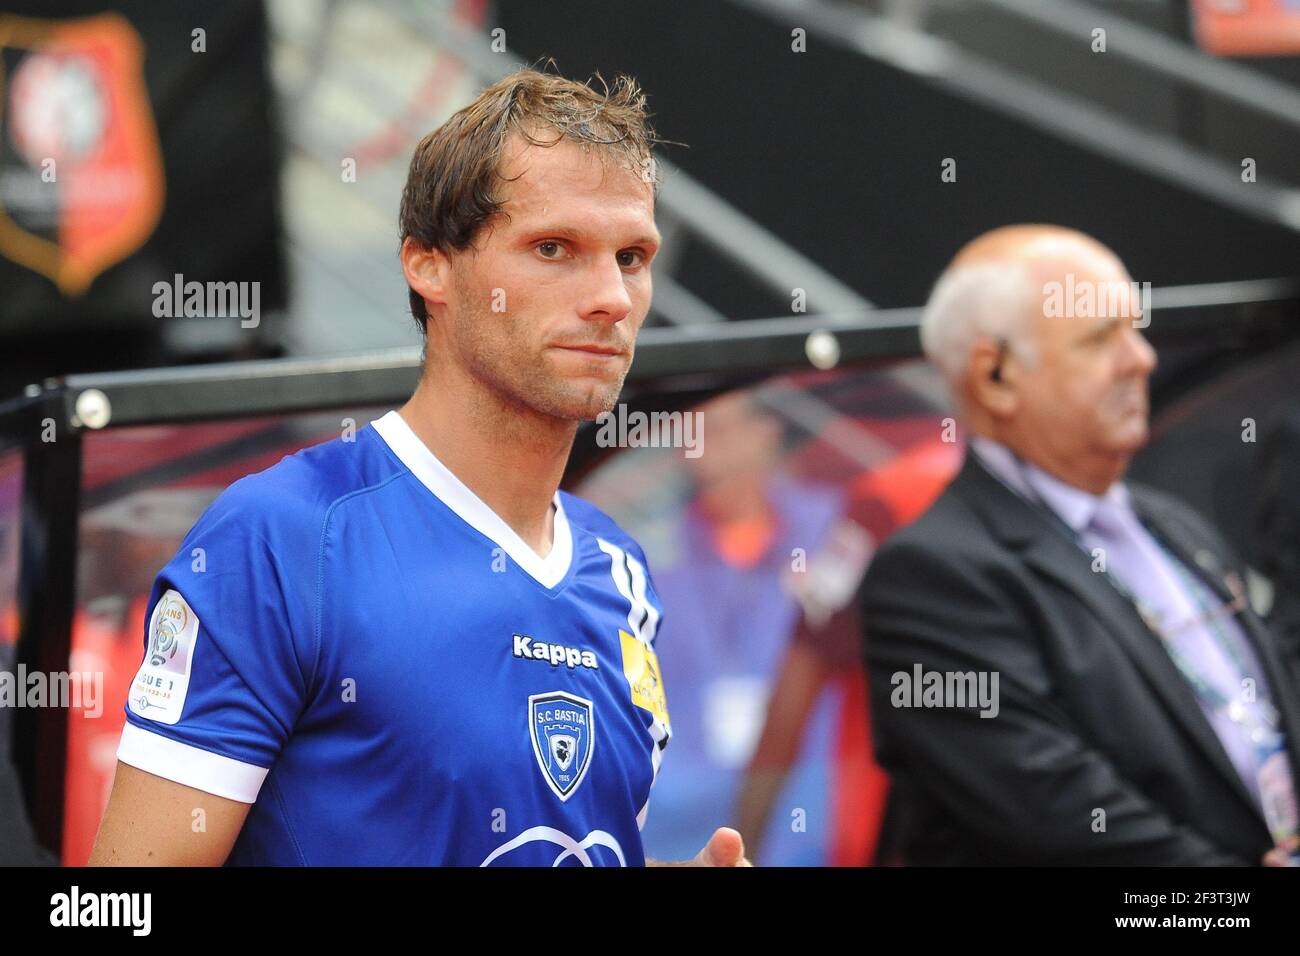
x=996 y=374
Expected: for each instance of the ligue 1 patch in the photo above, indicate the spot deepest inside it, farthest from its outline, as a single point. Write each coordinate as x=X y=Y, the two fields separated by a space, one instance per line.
x=563 y=730
x=641 y=668
x=159 y=689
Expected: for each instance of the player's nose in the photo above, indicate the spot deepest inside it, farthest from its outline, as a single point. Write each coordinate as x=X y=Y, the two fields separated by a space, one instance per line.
x=606 y=298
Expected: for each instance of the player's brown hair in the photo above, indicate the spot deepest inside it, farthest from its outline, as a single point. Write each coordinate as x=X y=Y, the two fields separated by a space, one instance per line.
x=453 y=185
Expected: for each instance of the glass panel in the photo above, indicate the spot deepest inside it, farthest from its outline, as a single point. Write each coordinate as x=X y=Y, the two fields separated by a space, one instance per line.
x=142 y=490
x=756 y=541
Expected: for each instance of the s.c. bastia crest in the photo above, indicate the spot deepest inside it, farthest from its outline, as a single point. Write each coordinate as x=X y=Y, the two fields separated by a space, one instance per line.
x=562 y=729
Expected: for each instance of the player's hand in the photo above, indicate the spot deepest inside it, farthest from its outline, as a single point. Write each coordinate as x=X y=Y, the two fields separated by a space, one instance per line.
x=725 y=848
x=1280 y=855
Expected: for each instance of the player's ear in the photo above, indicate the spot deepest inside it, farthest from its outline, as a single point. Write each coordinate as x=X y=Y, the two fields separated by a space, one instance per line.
x=427 y=270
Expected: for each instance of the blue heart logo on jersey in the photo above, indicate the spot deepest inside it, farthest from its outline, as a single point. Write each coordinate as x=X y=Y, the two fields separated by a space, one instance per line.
x=562 y=728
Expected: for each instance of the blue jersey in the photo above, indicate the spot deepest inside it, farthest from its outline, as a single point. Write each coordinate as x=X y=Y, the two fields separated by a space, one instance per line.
x=355 y=644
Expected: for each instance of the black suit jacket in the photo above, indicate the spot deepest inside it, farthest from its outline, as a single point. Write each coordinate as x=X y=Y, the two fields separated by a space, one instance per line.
x=1093 y=714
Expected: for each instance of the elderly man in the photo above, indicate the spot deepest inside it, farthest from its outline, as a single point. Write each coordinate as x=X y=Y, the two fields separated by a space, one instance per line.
x=1064 y=668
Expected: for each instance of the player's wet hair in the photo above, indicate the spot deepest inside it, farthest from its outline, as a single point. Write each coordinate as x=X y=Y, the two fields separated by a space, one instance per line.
x=453 y=185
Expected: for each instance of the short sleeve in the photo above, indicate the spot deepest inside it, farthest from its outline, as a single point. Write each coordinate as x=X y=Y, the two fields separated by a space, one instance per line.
x=227 y=651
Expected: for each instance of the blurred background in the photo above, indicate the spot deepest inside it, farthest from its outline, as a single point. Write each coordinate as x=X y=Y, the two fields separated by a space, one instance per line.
x=827 y=160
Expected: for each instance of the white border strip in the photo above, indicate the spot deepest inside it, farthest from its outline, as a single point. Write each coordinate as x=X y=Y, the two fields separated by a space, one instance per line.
x=192 y=766
x=451 y=491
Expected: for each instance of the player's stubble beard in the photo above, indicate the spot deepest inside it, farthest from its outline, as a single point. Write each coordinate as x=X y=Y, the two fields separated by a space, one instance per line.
x=502 y=356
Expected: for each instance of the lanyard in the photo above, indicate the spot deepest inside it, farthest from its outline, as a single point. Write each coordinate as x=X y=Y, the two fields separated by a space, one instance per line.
x=1214 y=624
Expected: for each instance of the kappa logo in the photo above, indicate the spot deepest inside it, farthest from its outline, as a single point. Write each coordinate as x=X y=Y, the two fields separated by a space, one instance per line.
x=526 y=647
x=562 y=730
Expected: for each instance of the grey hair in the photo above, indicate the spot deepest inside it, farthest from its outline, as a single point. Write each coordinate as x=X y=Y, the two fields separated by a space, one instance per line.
x=990 y=299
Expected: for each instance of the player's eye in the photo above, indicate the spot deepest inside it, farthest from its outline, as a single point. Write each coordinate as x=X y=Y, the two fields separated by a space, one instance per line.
x=627 y=258
x=550 y=249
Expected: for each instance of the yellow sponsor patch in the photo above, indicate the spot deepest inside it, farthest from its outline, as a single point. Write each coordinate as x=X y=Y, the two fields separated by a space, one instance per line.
x=641 y=668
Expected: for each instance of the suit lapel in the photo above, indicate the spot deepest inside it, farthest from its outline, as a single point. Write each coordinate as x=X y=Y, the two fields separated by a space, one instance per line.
x=1052 y=554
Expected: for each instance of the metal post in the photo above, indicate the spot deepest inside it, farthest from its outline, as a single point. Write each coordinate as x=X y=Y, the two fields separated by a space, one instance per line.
x=46 y=594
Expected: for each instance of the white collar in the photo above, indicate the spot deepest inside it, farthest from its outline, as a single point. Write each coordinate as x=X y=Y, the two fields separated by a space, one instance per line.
x=452 y=492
